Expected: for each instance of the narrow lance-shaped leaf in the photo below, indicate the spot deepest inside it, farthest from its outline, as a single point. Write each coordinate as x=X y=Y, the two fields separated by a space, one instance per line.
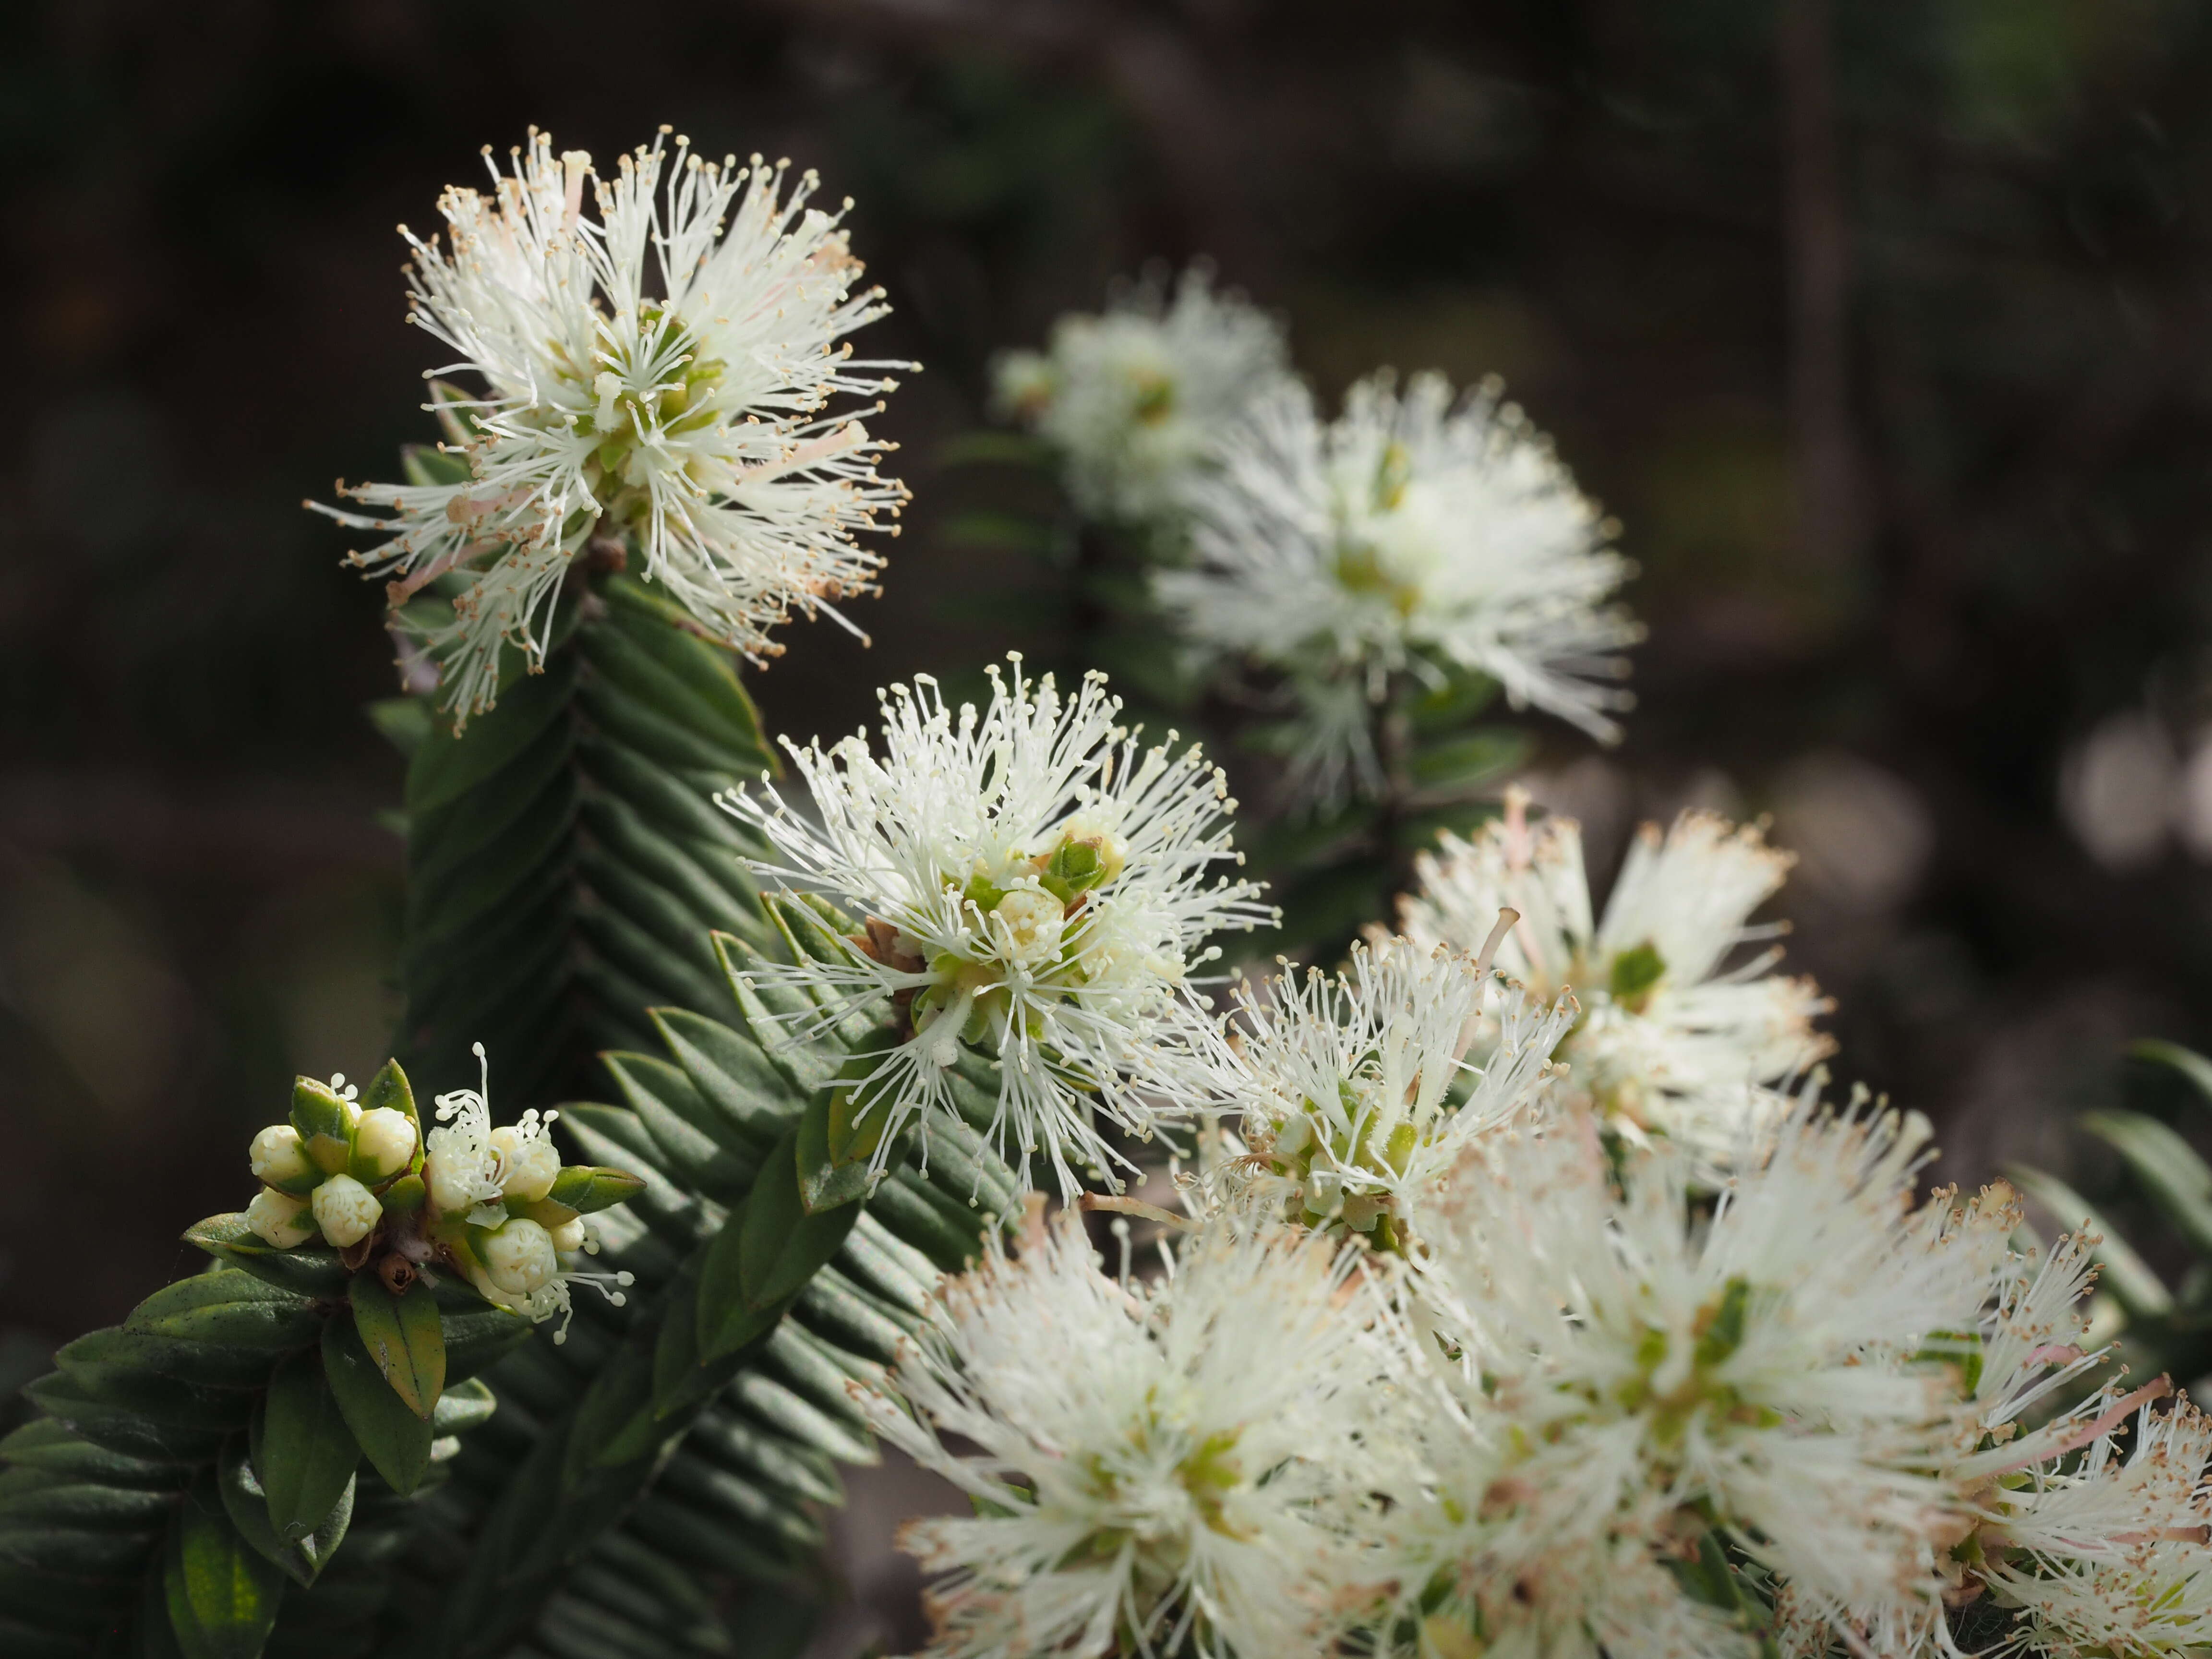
x=396 y=1442
x=221 y=1593
x=304 y=1455
x=402 y=1334
x=246 y=1505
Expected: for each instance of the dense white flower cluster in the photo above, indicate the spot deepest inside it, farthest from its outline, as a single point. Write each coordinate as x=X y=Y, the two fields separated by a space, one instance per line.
x=1133 y=399
x=1180 y=1468
x=1580 y=1414
x=1631 y=1376
x=661 y=373
x=1032 y=884
x=1414 y=534
x=1352 y=1091
x=1527 y=1301
x=1673 y=1041
x=2085 y=1533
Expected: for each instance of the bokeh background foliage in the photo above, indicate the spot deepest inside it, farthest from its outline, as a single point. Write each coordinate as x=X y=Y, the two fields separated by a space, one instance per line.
x=1881 y=327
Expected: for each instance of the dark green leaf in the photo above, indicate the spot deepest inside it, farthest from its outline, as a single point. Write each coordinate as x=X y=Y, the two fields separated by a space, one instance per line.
x=1307 y=838
x=833 y=1152
x=781 y=1245
x=983 y=447
x=402 y=1335
x=404 y=722
x=38 y=1498
x=478 y=1335
x=588 y=1188
x=53 y=1448
x=730 y=1071
x=1463 y=695
x=446 y=767
x=1328 y=906
x=676 y=1373
x=697 y=1144
x=638 y=726
x=616 y=1423
x=725 y=1320
x=389 y=1091
x=1001 y=529
x=2190 y=1064
x=143 y=1413
x=651 y=652
x=396 y=1442
x=246 y=1503
x=463 y=1406
x=309 y=1270
x=304 y=1455
x=230 y=1308
x=214 y=1364
x=2175 y=1178
x=1468 y=762
x=222 y=1593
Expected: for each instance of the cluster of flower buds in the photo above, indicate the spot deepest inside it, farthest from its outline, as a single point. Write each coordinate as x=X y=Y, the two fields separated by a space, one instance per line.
x=495 y=1205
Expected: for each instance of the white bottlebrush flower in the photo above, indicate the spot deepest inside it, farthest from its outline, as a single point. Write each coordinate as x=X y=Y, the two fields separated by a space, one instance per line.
x=1177 y=1469
x=661 y=373
x=1353 y=1093
x=1133 y=399
x=1632 y=1373
x=1412 y=535
x=1033 y=884
x=2073 y=1547
x=2112 y=1555
x=1671 y=1041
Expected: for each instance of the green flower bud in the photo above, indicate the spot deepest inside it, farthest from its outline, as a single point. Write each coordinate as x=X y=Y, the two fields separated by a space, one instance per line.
x=279 y=1161
x=1087 y=857
x=528 y=1163
x=346 y=1211
x=324 y=1122
x=519 y=1257
x=1636 y=975
x=279 y=1218
x=383 y=1145
x=585 y=1188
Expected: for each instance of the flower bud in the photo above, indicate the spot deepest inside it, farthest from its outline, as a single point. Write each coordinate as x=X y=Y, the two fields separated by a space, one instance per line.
x=528 y=1164
x=585 y=1188
x=346 y=1211
x=325 y=1123
x=383 y=1145
x=518 y=1258
x=1087 y=856
x=570 y=1234
x=279 y=1161
x=1029 y=925
x=279 y=1218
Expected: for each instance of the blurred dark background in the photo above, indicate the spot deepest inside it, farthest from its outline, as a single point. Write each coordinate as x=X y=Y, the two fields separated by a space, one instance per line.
x=1880 y=323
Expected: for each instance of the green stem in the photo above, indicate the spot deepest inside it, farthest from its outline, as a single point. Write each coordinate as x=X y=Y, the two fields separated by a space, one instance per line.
x=1393 y=736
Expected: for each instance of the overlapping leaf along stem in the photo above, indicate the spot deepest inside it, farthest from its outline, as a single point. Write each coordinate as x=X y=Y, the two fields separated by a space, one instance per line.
x=575 y=898
x=568 y=877
x=196 y=1469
